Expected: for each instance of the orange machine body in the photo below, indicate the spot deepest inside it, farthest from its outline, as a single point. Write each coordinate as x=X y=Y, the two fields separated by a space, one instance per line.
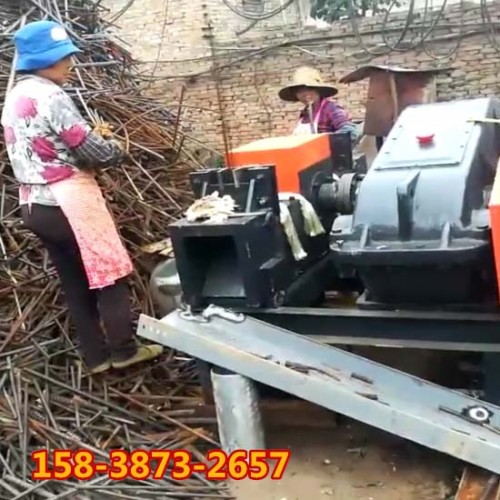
x=494 y=209
x=291 y=155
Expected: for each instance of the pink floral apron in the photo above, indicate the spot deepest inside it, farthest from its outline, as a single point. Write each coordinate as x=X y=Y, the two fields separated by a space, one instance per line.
x=104 y=256
x=305 y=128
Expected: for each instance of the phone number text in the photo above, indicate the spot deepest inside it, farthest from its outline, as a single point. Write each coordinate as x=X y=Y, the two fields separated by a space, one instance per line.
x=159 y=464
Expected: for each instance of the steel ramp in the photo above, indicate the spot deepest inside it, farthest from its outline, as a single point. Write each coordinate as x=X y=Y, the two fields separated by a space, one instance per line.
x=361 y=389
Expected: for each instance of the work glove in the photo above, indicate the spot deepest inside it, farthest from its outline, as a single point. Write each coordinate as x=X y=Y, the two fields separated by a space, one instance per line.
x=105 y=130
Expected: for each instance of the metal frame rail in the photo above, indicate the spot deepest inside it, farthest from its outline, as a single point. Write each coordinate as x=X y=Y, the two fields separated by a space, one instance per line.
x=454 y=331
x=440 y=330
x=430 y=415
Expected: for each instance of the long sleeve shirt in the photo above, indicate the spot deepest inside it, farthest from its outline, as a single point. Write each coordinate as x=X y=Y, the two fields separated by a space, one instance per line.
x=333 y=118
x=48 y=140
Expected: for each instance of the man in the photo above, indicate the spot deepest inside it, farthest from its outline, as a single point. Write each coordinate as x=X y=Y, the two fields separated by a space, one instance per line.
x=320 y=115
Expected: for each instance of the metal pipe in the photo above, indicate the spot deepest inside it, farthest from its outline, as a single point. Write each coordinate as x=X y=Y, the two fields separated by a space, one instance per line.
x=238 y=413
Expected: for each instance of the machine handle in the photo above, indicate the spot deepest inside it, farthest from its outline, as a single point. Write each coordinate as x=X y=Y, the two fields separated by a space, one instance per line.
x=405 y=194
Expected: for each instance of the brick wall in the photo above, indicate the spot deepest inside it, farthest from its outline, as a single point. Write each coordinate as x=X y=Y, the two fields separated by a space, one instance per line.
x=177 y=43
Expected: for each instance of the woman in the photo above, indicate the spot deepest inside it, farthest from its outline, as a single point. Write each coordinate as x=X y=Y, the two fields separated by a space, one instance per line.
x=53 y=152
x=320 y=115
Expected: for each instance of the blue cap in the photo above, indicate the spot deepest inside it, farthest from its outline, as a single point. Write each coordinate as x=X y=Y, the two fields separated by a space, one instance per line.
x=42 y=44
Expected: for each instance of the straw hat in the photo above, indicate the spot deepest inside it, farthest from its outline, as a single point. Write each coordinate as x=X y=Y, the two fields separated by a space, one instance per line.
x=306 y=77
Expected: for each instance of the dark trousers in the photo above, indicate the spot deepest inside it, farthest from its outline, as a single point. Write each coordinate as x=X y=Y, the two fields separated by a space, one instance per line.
x=86 y=307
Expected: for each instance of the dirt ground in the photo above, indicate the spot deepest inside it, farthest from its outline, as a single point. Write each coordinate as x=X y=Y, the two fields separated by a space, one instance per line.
x=353 y=462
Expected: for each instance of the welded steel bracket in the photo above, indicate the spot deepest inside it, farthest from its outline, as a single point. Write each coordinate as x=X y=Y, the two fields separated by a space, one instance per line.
x=361 y=389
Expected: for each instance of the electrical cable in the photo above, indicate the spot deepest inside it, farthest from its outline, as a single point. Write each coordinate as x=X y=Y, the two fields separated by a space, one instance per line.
x=302 y=41
x=357 y=34
x=419 y=40
x=255 y=17
x=234 y=62
x=121 y=12
x=162 y=37
x=486 y=17
x=396 y=47
x=459 y=37
x=246 y=28
x=424 y=29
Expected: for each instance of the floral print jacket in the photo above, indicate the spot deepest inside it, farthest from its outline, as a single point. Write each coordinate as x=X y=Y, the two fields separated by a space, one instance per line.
x=47 y=139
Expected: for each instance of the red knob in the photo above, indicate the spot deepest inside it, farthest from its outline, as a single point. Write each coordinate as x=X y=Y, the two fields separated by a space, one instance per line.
x=425 y=139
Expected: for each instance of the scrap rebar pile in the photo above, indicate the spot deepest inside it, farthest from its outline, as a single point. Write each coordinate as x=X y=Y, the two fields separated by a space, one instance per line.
x=47 y=402
x=46 y=399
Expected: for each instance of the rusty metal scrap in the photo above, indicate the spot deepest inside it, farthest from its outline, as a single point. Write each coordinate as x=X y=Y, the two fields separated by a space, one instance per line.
x=48 y=402
x=46 y=398
x=390 y=90
x=477 y=484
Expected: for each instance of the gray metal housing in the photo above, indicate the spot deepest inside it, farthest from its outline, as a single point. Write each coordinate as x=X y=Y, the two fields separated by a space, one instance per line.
x=420 y=230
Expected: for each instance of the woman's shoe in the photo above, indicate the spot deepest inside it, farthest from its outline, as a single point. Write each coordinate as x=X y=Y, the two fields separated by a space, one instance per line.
x=100 y=368
x=144 y=353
